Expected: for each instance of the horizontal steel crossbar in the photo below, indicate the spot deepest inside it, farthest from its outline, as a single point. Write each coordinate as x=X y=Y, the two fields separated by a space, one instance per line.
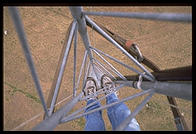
x=179 y=90
x=177 y=17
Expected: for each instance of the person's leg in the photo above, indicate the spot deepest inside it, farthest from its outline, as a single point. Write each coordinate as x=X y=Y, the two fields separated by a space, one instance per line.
x=119 y=112
x=94 y=121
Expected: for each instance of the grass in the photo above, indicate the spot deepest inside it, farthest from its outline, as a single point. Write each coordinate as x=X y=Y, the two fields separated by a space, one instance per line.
x=155 y=107
x=80 y=122
x=15 y=89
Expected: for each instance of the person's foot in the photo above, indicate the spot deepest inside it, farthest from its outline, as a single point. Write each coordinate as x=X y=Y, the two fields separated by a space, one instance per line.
x=108 y=84
x=90 y=89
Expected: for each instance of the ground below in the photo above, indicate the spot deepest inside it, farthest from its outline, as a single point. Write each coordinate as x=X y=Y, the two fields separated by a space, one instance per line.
x=168 y=44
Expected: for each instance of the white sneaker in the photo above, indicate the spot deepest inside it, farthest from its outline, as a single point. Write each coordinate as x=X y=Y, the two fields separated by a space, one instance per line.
x=90 y=89
x=108 y=85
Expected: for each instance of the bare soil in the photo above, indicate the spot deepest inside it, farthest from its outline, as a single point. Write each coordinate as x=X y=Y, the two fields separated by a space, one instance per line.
x=168 y=44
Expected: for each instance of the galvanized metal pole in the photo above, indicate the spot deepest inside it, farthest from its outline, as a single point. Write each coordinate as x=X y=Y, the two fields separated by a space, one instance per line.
x=24 y=43
x=56 y=75
x=177 y=17
x=86 y=72
x=179 y=90
x=62 y=68
x=75 y=56
x=78 y=15
x=82 y=68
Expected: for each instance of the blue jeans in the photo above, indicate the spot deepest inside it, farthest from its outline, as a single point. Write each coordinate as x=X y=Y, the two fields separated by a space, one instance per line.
x=116 y=114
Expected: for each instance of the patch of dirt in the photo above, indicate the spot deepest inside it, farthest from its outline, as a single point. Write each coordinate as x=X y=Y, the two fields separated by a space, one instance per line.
x=168 y=44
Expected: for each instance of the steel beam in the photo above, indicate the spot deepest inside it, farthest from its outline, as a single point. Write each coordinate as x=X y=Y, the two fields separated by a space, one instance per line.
x=82 y=68
x=86 y=72
x=176 y=17
x=75 y=58
x=24 y=43
x=77 y=13
x=62 y=68
x=79 y=17
x=179 y=90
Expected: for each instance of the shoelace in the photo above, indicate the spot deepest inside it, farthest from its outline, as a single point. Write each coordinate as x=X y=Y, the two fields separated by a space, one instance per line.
x=90 y=90
x=109 y=87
